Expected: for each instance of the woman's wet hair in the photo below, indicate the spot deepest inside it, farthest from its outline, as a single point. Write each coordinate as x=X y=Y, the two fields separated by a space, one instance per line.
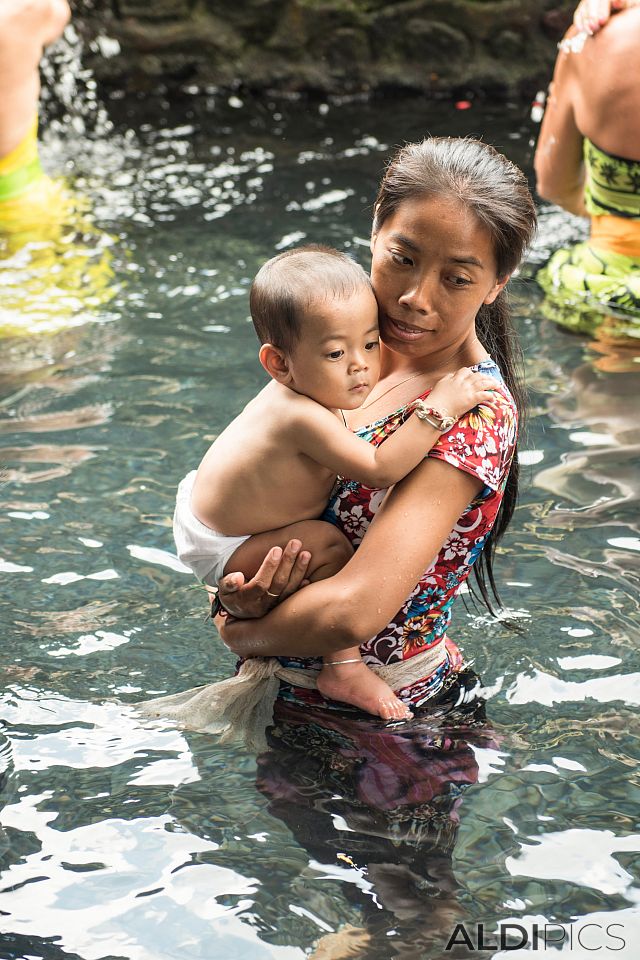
x=286 y=287
x=496 y=190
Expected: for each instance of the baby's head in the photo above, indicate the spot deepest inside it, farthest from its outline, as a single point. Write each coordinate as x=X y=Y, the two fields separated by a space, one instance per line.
x=316 y=317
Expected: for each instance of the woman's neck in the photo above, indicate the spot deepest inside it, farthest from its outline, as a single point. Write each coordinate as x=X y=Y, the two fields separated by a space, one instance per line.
x=432 y=366
x=403 y=378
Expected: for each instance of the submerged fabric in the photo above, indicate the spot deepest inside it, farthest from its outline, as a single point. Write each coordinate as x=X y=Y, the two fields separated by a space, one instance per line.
x=593 y=291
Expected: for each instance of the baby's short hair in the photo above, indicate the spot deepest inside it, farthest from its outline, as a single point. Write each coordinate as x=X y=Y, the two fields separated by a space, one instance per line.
x=287 y=285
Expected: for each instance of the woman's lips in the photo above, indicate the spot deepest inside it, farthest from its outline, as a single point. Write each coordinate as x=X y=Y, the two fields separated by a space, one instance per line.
x=405 y=331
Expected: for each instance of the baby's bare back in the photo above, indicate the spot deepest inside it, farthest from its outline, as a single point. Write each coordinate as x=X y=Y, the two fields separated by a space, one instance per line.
x=254 y=477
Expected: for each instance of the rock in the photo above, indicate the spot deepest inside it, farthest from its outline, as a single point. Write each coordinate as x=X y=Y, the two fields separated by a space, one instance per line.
x=328 y=45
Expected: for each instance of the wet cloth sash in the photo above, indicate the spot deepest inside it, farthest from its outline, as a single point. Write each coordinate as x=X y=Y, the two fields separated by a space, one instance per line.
x=20 y=168
x=241 y=707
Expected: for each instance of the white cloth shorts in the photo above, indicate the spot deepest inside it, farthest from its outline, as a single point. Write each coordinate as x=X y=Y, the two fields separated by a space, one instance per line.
x=202 y=549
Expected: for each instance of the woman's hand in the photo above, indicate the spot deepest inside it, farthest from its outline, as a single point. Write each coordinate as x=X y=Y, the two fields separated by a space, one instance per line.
x=281 y=573
x=591 y=15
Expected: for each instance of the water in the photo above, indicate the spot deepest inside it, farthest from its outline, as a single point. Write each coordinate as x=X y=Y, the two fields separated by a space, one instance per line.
x=126 y=838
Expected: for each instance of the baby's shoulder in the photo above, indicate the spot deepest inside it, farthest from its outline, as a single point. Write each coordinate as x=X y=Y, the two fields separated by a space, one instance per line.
x=287 y=406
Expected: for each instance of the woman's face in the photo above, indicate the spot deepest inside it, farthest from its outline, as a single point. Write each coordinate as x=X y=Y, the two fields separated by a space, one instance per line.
x=433 y=267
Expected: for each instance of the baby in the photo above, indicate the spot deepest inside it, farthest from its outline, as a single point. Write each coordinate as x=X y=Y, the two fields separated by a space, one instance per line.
x=268 y=476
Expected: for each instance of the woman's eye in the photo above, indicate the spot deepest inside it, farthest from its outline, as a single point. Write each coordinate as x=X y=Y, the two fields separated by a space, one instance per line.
x=460 y=281
x=335 y=354
x=401 y=259
x=372 y=345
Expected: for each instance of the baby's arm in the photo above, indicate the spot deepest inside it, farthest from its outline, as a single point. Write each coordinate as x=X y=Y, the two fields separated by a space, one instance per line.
x=323 y=439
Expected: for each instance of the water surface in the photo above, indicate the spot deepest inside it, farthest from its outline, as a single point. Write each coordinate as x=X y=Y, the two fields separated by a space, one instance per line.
x=128 y=838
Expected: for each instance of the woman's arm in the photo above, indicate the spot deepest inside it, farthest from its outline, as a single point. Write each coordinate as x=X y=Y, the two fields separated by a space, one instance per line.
x=56 y=15
x=409 y=530
x=558 y=158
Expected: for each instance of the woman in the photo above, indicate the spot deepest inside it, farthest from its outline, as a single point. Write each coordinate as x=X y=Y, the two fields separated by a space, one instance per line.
x=452 y=220
x=587 y=160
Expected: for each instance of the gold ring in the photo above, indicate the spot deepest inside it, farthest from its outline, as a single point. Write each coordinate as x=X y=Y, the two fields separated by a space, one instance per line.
x=269 y=594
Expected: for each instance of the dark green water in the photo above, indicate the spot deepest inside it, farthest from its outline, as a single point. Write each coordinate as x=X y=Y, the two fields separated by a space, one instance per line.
x=122 y=838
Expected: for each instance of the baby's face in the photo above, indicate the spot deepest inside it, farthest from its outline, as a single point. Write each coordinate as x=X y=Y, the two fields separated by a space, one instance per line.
x=336 y=361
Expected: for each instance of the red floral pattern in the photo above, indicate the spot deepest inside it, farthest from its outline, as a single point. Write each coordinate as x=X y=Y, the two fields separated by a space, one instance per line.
x=481 y=443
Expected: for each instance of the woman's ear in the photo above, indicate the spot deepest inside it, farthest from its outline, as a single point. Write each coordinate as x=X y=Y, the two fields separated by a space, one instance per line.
x=275 y=362
x=374 y=231
x=497 y=288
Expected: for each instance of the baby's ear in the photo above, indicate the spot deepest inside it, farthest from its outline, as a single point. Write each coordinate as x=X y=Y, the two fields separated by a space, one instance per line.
x=275 y=362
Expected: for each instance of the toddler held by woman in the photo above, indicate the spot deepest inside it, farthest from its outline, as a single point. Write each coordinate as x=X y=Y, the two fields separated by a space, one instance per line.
x=267 y=478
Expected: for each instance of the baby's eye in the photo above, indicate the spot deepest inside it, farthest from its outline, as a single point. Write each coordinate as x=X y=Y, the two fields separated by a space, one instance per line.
x=372 y=345
x=335 y=355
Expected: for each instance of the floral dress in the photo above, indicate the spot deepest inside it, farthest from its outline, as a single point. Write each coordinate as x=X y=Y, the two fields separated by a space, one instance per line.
x=482 y=443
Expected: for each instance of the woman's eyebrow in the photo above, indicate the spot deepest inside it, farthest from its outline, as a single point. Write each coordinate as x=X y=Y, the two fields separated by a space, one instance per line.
x=471 y=261
x=405 y=241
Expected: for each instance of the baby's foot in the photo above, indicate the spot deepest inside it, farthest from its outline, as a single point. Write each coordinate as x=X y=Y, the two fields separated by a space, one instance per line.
x=354 y=683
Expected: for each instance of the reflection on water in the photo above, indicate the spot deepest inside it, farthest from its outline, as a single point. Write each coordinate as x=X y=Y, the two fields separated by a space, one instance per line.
x=128 y=838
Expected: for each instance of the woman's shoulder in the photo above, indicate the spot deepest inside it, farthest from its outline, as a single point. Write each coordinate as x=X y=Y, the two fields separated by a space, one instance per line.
x=503 y=399
x=482 y=441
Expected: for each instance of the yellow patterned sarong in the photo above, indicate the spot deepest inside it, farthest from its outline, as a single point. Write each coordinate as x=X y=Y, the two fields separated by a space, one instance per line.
x=55 y=265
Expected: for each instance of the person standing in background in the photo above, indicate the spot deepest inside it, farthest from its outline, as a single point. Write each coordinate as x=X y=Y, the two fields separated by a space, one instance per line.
x=587 y=161
x=26 y=28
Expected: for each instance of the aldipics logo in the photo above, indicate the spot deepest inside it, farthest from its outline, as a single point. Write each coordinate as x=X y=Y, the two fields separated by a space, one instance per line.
x=539 y=936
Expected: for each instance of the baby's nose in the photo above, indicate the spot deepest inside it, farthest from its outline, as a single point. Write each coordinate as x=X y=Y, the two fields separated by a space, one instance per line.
x=359 y=362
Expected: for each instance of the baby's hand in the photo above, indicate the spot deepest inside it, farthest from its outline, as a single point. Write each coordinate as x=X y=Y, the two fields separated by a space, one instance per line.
x=458 y=392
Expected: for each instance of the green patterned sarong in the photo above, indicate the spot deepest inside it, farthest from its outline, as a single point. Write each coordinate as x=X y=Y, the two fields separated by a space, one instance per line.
x=589 y=288
x=585 y=288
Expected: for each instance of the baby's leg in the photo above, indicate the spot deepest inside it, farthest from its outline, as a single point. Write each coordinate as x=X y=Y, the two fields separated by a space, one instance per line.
x=346 y=678
x=351 y=682
x=329 y=549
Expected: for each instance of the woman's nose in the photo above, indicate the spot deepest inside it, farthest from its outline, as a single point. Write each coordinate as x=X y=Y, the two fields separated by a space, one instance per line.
x=418 y=296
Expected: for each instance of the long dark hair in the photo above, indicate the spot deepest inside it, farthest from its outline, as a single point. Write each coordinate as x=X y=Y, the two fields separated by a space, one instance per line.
x=476 y=175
